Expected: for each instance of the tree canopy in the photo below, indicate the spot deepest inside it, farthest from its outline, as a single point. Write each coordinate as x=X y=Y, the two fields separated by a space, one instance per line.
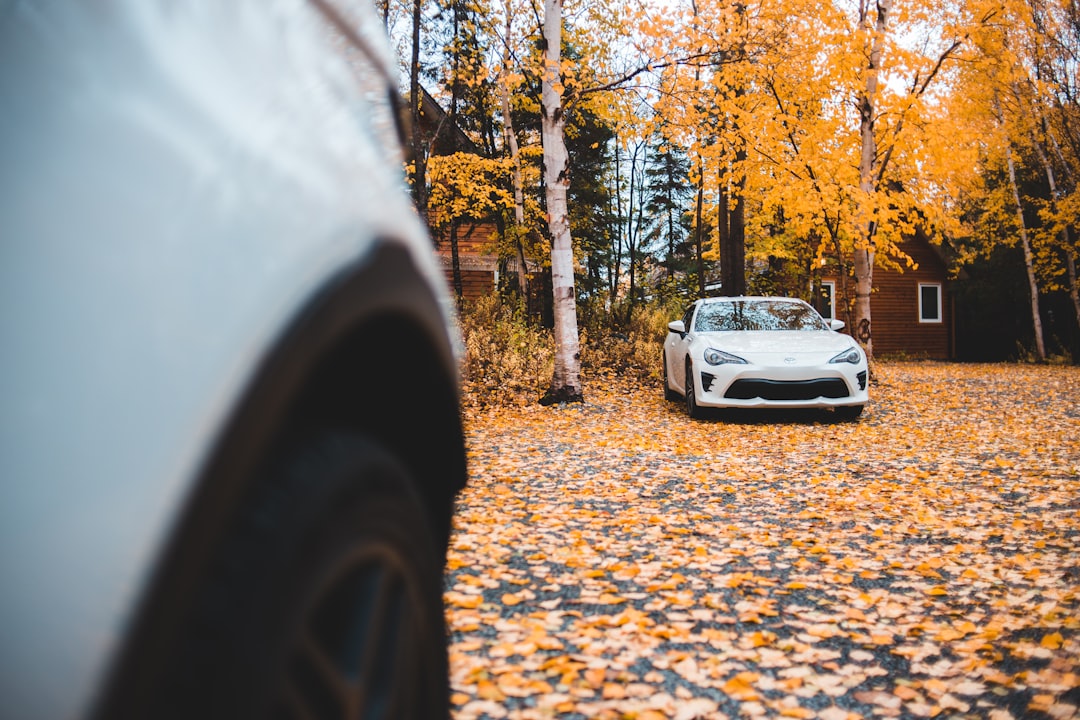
x=733 y=145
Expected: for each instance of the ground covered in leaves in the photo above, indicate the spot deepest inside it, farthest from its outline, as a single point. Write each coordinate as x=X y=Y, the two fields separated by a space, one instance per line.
x=617 y=560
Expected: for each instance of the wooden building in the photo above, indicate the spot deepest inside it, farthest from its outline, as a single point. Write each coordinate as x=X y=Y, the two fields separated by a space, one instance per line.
x=478 y=263
x=912 y=311
x=470 y=243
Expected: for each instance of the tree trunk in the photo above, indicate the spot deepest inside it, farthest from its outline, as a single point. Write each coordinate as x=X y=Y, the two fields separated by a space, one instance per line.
x=737 y=234
x=1065 y=235
x=515 y=156
x=418 y=150
x=615 y=269
x=843 y=294
x=455 y=263
x=734 y=255
x=670 y=200
x=636 y=248
x=723 y=235
x=863 y=264
x=1029 y=263
x=698 y=233
x=566 y=378
x=732 y=219
x=633 y=229
x=1070 y=267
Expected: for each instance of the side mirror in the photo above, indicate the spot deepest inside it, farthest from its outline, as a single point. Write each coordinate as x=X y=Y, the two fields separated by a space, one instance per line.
x=676 y=326
x=836 y=324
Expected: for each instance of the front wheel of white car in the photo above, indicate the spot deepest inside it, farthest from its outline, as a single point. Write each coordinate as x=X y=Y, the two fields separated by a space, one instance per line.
x=326 y=601
x=692 y=408
x=669 y=394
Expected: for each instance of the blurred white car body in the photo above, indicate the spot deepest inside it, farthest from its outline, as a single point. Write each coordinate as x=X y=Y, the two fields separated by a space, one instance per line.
x=199 y=203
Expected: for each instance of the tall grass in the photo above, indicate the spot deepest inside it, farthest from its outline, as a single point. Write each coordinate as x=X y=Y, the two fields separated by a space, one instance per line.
x=507 y=360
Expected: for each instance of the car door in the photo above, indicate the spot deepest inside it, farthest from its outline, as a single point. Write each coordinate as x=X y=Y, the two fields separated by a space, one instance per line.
x=676 y=349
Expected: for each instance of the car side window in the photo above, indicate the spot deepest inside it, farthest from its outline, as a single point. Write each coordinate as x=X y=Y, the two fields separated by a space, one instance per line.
x=687 y=317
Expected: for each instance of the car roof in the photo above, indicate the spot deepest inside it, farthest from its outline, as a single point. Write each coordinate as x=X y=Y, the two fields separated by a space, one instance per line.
x=773 y=298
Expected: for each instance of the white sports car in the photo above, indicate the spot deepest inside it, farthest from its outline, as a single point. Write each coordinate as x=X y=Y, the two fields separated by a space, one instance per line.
x=762 y=352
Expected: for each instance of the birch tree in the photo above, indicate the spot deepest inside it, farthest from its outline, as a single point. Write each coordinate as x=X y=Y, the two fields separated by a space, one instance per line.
x=882 y=131
x=566 y=377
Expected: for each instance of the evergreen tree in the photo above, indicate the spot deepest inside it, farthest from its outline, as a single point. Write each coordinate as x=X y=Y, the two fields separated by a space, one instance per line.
x=670 y=197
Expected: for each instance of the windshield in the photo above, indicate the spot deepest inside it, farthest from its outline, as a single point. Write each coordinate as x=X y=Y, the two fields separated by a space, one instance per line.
x=757 y=315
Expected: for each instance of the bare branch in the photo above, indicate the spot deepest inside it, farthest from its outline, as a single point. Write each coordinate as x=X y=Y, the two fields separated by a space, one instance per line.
x=689 y=60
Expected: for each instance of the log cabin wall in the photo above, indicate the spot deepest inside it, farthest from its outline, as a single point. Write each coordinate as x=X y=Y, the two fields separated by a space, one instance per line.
x=901 y=325
x=476 y=258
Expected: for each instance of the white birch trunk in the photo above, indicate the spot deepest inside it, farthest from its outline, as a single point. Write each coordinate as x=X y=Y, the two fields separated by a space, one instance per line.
x=863 y=264
x=566 y=378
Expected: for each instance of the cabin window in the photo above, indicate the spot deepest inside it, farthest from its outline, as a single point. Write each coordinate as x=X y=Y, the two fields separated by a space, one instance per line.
x=827 y=306
x=929 y=302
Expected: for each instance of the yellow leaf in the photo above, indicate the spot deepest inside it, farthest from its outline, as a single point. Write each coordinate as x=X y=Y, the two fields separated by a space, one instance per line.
x=469 y=602
x=1052 y=641
x=1041 y=703
x=595 y=676
x=487 y=690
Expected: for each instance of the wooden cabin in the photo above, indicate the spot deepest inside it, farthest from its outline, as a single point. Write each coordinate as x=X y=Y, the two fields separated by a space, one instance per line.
x=476 y=239
x=478 y=264
x=912 y=312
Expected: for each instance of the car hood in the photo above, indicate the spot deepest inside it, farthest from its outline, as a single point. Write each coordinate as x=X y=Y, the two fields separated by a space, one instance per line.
x=789 y=342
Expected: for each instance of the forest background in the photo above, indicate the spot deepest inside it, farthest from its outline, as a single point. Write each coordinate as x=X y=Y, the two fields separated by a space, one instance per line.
x=643 y=153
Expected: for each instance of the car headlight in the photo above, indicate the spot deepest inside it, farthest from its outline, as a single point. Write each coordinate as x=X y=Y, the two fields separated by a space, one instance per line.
x=851 y=355
x=719 y=357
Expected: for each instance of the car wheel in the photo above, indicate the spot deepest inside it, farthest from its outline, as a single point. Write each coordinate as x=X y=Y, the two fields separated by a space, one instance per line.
x=690 y=395
x=326 y=601
x=669 y=394
x=848 y=412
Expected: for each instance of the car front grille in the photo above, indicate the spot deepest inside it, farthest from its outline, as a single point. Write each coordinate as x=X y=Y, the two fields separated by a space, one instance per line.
x=787 y=389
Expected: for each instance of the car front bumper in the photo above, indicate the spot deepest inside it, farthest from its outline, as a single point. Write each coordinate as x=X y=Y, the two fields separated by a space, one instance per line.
x=756 y=386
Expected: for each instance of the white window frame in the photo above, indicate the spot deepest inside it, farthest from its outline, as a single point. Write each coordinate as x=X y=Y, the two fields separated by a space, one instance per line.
x=832 y=298
x=940 y=312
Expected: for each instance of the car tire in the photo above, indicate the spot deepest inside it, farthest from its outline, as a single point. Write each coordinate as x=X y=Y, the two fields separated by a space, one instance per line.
x=326 y=601
x=692 y=408
x=848 y=413
x=669 y=394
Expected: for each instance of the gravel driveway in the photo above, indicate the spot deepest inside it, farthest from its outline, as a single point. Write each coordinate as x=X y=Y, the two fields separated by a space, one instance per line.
x=615 y=559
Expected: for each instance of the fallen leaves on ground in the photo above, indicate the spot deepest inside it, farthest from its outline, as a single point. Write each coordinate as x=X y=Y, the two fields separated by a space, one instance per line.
x=614 y=559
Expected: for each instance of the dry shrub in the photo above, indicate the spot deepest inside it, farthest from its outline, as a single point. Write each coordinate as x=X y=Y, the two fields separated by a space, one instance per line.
x=507 y=360
x=634 y=350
